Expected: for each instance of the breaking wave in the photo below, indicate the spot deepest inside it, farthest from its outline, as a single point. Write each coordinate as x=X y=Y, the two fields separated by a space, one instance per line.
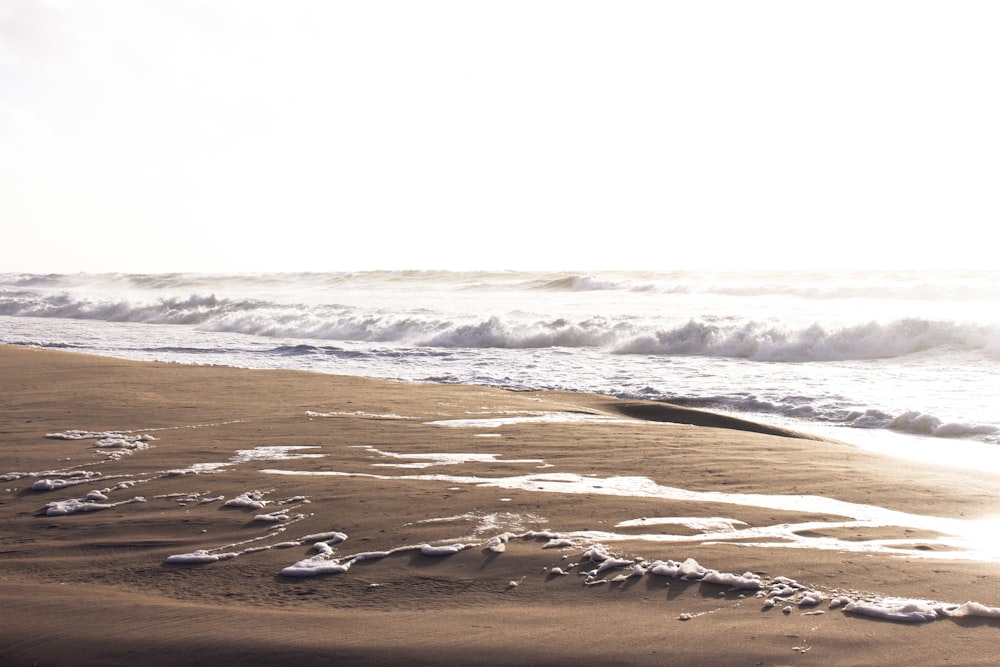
x=746 y=339
x=765 y=342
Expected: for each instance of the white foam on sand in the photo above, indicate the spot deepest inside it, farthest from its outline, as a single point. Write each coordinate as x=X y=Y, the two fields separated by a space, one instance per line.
x=74 y=473
x=443 y=550
x=198 y=469
x=277 y=524
x=93 y=501
x=358 y=413
x=191 y=497
x=529 y=418
x=54 y=480
x=115 y=443
x=275 y=453
x=199 y=556
x=257 y=454
x=444 y=459
x=599 y=565
x=78 y=505
x=326 y=562
x=958 y=539
x=694 y=523
x=488 y=522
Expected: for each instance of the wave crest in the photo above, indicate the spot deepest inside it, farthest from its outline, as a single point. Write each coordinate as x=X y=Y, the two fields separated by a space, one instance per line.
x=759 y=341
x=591 y=282
x=924 y=424
x=622 y=334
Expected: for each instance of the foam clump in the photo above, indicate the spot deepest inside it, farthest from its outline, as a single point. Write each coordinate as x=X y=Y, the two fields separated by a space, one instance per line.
x=370 y=555
x=192 y=497
x=908 y=611
x=839 y=601
x=323 y=562
x=498 y=543
x=324 y=548
x=123 y=443
x=667 y=568
x=79 y=505
x=199 y=556
x=250 y=499
x=918 y=611
x=331 y=537
x=443 y=550
x=76 y=434
x=691 y=570
x=605 y=561
x=311 y=567
x=56 y=480
x=783 y=588
x=612 y=563
x=54 y=484
x=74 y=506
x=596 y=553
x=541 y=535
x=746 y=581
x=641 y=568
x=970 y=609
x=557 y=543
x=811 y=599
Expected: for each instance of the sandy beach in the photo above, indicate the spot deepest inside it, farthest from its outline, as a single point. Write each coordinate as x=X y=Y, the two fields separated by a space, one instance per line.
x=167 y=514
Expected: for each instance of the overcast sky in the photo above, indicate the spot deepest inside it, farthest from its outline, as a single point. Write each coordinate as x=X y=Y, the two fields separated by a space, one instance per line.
x=169 y=135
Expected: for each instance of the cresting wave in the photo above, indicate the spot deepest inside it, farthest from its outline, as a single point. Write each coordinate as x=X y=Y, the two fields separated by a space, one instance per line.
x=741 y=339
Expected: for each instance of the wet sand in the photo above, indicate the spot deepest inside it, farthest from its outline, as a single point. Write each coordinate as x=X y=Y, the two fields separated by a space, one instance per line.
x=92 y=586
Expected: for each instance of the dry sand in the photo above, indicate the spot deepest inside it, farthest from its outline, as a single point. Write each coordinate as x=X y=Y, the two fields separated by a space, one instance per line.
x=94 y=588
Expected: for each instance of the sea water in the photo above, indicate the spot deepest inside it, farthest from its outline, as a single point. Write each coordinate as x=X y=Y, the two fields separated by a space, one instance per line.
x=903 y=361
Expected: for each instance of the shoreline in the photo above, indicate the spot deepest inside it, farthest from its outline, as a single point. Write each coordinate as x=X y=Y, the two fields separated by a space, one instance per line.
x=378 y=462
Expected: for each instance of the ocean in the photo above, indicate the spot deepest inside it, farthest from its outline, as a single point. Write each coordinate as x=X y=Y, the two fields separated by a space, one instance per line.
x=904 y=361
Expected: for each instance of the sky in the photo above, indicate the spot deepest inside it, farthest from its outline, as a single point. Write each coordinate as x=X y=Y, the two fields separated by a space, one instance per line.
x=217 y=136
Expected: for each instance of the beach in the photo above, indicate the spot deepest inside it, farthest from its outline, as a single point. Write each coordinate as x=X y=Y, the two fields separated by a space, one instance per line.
x=178 y=514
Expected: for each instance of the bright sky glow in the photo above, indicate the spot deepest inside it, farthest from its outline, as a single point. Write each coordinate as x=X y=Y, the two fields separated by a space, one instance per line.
x=184 y=135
